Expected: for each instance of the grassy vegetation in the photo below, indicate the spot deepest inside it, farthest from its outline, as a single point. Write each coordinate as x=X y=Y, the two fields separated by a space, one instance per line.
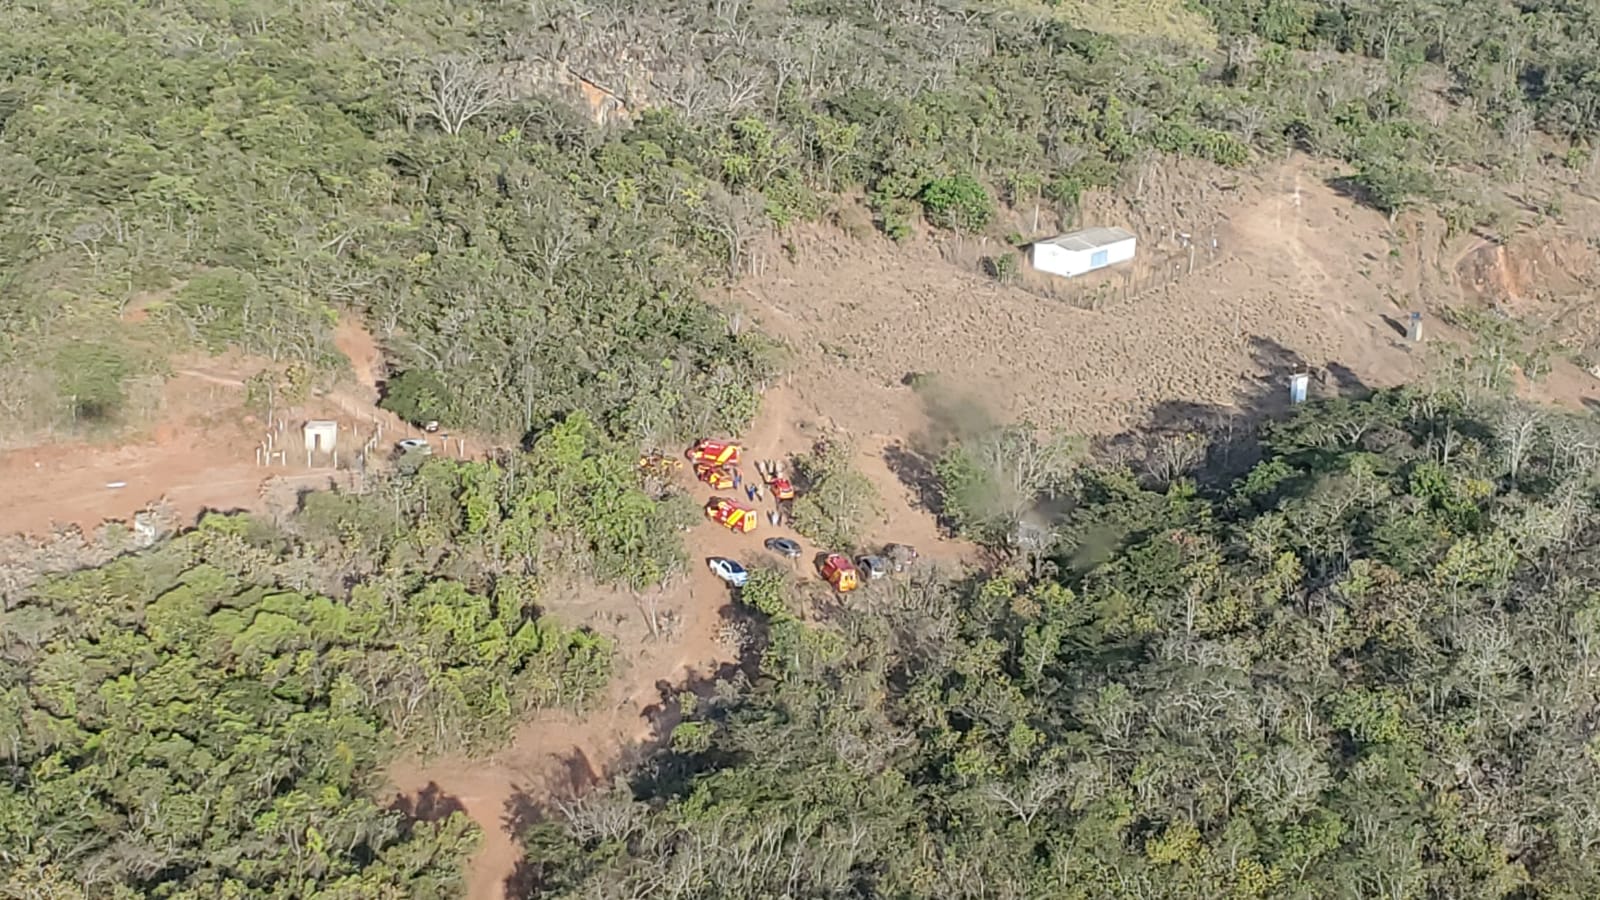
x=1363 y=670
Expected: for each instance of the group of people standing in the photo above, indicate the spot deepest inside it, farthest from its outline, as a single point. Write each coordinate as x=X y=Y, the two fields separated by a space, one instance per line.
x=754 y=491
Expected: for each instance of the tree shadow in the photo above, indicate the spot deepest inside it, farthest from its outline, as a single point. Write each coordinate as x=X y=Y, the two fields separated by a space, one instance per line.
x=1274 y=358
x=916 y=471
x=431 y=804
x=1207 y=442
x=1215 y=443
x=1394 y=324
x=530 y=805
x=1348 y=187
x=643 y=762
x=1345 y=381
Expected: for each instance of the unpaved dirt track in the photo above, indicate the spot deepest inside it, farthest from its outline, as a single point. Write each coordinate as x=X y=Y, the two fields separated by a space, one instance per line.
x=555 y=756
x=200 y=455
x=1306 y=278
x=193 y=458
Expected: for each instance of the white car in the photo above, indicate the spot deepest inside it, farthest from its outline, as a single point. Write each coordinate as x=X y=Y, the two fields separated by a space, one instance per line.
x=728 y=570
x=410 y=445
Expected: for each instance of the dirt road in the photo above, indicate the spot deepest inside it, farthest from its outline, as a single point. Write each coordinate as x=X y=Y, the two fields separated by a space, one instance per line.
x=555 y=756
x=200 y=454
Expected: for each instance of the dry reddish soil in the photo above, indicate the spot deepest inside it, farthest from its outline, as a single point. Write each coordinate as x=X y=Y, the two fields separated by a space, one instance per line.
x=201 y=452
x=1302 y=277
x=555 y=756
x=200 y=456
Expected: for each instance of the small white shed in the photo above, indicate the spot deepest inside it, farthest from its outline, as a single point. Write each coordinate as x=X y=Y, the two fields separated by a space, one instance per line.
x=320 y=435
x=1082 y=251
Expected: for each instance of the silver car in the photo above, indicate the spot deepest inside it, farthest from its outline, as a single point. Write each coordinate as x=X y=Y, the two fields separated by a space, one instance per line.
x=873 y=567
x=784 y=547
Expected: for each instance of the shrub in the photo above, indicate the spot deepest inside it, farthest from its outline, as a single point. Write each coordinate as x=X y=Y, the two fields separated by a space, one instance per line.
x=765 y=592
x=90 y=378
x=895 y=219
x=958 y=202
x=1002 y=268
x=835 y=498
x=415 y=395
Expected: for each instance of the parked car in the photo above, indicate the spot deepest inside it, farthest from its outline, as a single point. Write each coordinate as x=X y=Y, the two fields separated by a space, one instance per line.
x=728 y=570
x=784 y=547
x=413 y=445
x=902 y=555
x=873 y=566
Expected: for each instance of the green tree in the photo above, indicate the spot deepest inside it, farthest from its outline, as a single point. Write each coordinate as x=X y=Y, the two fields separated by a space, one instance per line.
x=1203 y=710
x=416 y=396
x=958 y=202
x=836 y=503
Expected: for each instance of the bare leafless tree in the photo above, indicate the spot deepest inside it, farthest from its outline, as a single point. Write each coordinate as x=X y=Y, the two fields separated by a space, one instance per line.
x=602 y=815
x=459 y=90
x=1242 y=52
x=1518 y=427
x=1027 y=799
x=1025 y=465
x=1247 y=121
x=740 y=90
x=737 y=220
x=689 y=91
x=727 y=12
x=556 y=233
x=1172 y=456
x=660 y=620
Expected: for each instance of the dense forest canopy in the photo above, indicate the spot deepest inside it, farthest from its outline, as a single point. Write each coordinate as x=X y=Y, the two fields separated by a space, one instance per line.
x=1367 y=669
x=1363 y=669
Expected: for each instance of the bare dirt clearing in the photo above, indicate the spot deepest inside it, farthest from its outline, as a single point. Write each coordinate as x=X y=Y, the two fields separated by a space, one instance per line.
x=1305 y=278
x=201 y=452
x=556 y=756
x=199 y=456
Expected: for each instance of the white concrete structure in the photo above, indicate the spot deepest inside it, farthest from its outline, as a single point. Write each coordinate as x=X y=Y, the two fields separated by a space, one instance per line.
x=1299 y=384
x=320 y=435
x=1082 y=251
